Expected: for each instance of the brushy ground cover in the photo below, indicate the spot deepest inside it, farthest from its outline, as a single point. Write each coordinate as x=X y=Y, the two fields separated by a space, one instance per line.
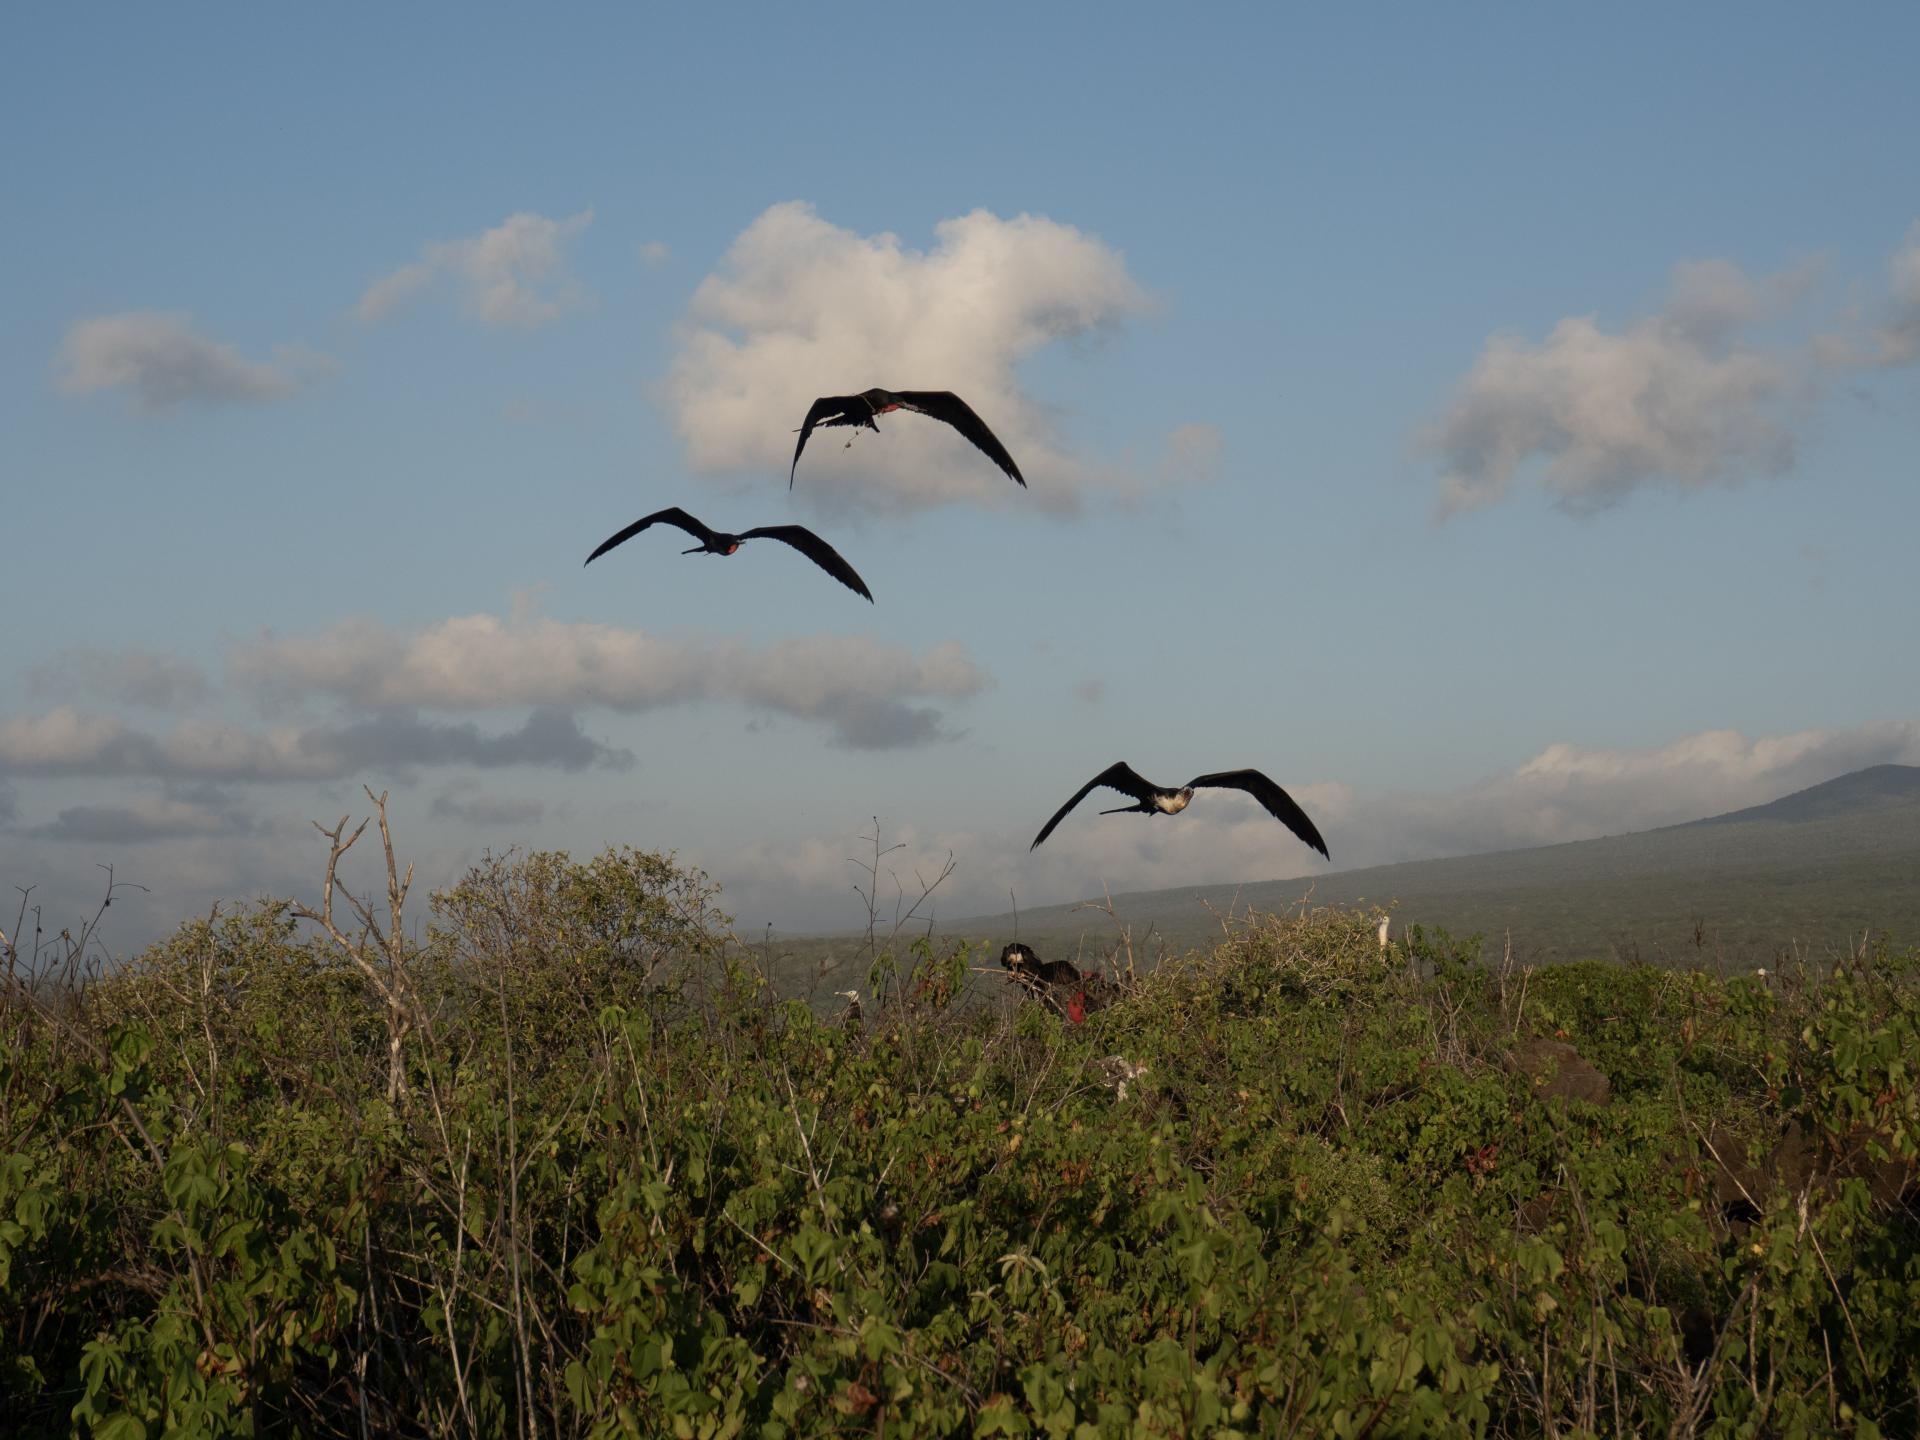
x=560 y=1162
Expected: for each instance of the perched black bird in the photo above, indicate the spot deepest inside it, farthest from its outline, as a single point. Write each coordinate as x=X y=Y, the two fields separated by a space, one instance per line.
x=1151 y=799
x=939 y=404
x=1063 y=985
x=714 y=542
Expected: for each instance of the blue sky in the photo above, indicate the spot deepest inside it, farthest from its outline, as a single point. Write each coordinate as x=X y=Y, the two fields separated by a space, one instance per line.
x=273 y=532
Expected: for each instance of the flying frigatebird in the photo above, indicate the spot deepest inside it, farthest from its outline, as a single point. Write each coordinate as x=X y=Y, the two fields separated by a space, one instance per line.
x=938 y=404
x=715 y=542
x=1152 y=799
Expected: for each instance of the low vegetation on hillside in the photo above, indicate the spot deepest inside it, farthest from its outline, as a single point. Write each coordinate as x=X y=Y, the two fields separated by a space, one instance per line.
x=560 y=1161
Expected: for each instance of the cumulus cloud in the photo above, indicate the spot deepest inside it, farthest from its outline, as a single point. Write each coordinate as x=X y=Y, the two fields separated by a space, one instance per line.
x=1674 y=398
x=1578 y=792
x=180 y=878
x=800 y=307
x=191 y=869
x=1574 y=792
x=69 y=742
x=550 y=739
x=806 y=882
x=1192 y=455
x=1711 y=300
x=654 y=254
x=390 y=292
x=65 y=741
x=512 y=275
x=149 y=817
x=124 y=677
x=862 y=690
x=1904 y=268
x=1895 y=339
x=164 y=362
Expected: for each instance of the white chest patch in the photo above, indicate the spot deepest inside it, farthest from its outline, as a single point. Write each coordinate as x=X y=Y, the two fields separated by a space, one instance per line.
x=1171 y=804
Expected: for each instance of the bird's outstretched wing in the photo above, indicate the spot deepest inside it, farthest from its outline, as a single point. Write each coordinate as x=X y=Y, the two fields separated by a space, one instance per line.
x=1119 y=776
x=672 y=515
x=947 y=406
x=1279 y=804
x=955 y=411
x=827 y=410
x=816 y=550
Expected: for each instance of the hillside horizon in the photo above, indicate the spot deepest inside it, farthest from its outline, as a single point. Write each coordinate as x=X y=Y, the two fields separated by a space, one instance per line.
x=1814 y=866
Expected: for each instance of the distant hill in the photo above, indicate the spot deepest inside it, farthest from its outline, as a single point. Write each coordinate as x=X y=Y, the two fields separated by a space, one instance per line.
x=1870 y=789
x=1814 y=869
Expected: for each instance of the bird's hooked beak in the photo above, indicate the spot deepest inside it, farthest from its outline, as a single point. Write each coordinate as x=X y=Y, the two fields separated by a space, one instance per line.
x=694 y=551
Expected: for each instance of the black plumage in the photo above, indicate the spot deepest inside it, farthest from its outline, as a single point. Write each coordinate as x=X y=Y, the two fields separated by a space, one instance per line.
x=1153 y=799
x=1074 y=992
x=718 y=542
x=1031 y=970
x=936 y=404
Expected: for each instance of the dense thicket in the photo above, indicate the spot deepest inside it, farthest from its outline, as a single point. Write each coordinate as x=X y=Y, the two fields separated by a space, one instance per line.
x=1292 y=1185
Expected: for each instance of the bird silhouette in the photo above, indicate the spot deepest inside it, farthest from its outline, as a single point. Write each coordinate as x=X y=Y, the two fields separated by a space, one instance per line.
x=717 y=542
x=1154 y=799
x=937 y=404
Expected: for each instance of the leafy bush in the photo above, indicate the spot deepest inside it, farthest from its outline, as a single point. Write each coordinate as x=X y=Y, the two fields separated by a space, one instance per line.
x=1297 y=1183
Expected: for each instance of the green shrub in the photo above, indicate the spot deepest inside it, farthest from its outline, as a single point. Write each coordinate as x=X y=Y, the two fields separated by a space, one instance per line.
x=1293 y=1184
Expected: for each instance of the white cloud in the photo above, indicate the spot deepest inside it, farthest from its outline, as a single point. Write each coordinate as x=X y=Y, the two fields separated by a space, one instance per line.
x=1569 y=792
x=70 y=742
x=1904 y=269
x=806 y=882
x=181 y=878
x=66 y=741
x=1895 y=339
x=181 y=874
x=127 y=677
x=512 y=275
x=1578 y=792
x=1671 y=399
x=859 y=688
x=148 y=817
x=165 y=362
x=654 y=254
x=1192 y=456
x=390 y=292
x=1711 y=300
x=800 y=308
